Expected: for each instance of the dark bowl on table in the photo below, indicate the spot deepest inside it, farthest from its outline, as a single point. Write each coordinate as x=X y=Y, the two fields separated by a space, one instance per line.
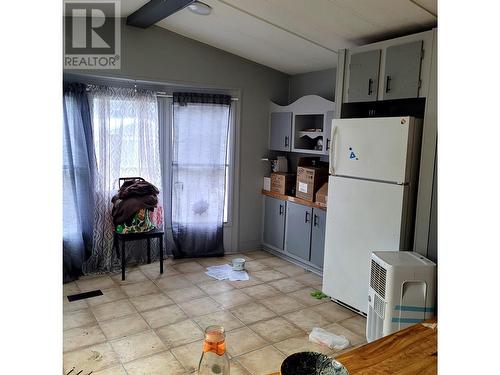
x=311 y=363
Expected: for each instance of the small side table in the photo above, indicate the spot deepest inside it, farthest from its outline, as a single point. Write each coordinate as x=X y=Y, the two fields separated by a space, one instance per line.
x=124 y=237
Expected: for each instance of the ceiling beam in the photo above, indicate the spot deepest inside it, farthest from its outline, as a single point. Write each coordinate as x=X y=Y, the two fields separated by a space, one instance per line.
x=154 y=11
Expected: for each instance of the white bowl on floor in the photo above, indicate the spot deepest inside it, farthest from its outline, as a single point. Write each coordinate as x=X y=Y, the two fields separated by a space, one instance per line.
x=238 y=264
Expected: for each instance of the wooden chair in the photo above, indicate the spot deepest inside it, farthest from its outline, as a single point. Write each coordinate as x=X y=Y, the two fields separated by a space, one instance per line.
x=122 y=238
x=125 y=237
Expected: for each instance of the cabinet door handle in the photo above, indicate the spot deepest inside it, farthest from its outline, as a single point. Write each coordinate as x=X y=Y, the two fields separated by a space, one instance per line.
x=387 y=83
x=286 y=141
x=307 y=217
x=370 y=83
x=281 y=209
x=315 y=221
x=327 y=144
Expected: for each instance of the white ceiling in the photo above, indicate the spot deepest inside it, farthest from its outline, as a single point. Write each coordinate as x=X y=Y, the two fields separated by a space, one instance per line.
x=296 y=36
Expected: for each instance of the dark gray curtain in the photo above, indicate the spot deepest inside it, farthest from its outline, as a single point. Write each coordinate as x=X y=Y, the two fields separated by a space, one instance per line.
x=200 y=135
x=79 y=166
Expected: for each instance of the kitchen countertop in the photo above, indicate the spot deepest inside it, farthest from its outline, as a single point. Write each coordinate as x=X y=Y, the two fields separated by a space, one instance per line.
x=410 y=351
x=290 y=198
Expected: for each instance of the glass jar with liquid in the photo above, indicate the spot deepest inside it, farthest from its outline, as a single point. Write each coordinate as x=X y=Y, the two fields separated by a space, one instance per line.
x=214 y=360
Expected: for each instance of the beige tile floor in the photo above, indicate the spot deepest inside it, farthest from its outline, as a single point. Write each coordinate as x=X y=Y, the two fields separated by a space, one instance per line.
x=153 y=324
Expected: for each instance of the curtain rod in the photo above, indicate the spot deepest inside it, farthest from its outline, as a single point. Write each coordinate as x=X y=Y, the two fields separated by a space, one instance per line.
x=163 y=94
x=160 y=94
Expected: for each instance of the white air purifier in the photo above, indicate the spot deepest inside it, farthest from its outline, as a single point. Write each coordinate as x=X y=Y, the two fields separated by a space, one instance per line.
x=401 y=292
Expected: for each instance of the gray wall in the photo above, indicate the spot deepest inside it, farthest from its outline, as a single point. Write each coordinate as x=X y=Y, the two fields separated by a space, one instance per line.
x=320 y=83
x=432 y=251
x=156 y=54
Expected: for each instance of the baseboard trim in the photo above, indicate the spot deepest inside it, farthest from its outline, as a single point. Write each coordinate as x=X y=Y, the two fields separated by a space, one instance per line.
x=359 y=312
x=248 y=246
x=297 y=262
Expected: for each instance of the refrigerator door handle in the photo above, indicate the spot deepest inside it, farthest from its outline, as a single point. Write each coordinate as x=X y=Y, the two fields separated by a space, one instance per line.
x=333 y=150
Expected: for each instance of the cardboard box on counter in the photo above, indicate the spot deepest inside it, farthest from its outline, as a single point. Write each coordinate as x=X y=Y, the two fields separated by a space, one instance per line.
x=282 y=183
x=322 y=194
x=311 y=175
x=266 y=185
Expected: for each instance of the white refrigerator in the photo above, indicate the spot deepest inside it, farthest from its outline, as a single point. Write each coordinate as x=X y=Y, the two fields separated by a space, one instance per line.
x=374 y=166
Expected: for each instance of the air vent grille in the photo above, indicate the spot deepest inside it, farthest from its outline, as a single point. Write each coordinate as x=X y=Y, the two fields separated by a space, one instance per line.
x=379 y=306
x=377 y=278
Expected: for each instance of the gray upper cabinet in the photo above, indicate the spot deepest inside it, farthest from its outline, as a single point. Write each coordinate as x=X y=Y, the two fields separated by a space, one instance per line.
x=298 y=230
x=327 y=131
x=318 y=237
x=290 y=125
x=402 y=71
x=274 y=222
x=281 y=131
x=363 y=76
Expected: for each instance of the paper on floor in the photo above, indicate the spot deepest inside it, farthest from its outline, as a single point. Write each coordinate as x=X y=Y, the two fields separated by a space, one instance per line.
x=226 y=272
x=325 y=338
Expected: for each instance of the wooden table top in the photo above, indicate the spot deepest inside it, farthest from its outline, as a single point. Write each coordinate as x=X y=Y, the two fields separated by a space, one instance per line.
x=410 y=351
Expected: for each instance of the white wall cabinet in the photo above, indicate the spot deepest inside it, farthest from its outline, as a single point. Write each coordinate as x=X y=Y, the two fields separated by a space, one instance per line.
x=392 y=69
x=303 y=126
x=363 y=76
x=280 y=134
x=402 y=71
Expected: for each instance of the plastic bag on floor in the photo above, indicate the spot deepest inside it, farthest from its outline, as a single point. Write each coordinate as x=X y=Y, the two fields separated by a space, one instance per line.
x=325 y=338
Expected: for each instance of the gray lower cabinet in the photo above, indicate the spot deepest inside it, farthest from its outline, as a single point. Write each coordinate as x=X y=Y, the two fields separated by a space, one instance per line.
x=274 y=222
x=402 y=71
x=363 y=76
x=295 y=229
x=318 y=237
x=298 y=230
x=280 y=131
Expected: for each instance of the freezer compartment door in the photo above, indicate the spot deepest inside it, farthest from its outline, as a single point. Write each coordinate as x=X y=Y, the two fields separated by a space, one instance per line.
x=362 y=216
x=375 y=148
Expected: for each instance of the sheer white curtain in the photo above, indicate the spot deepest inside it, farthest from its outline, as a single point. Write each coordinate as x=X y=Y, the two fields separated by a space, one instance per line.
x=126 y=141
x=199 y=150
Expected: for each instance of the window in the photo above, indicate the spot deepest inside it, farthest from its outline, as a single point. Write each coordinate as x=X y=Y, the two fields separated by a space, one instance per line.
x=200 y=169
x=166 y=123
x=229 y=162
x=126 y=141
